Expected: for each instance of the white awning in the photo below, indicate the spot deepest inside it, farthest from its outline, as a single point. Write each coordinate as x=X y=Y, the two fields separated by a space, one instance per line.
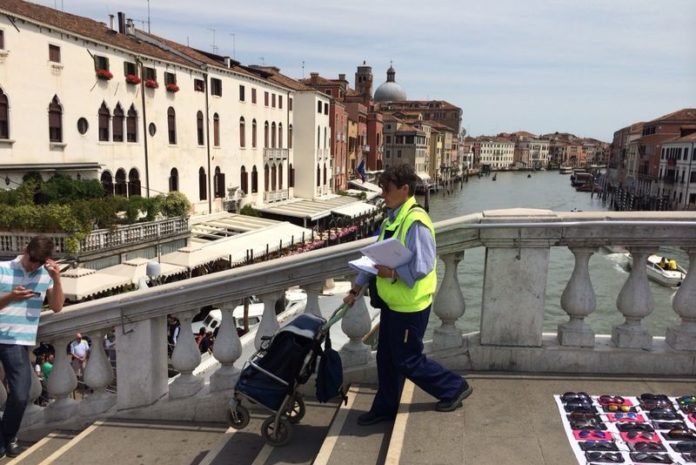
x=310 y=209
x=355 y=209
x=368 y=186
x=190 y=258
x=136 y=268
x=80 y=283
x=423 y=176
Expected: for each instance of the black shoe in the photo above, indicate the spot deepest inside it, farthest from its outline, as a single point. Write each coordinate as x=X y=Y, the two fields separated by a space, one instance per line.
x=456 y=402
x=3 y=454
x=371 y=418
x=13 y=448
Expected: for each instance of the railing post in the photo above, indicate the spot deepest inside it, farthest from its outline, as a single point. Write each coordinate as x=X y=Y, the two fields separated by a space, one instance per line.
x=635 y=302
x=683 y=336
x=356 y=324
x=313 y=290
x=578 y=301
x=449 y=305
x=98 y=375
x=33 y=413
x=61 y=385
x=269 y=321
x=185 y=358
x=227 y=350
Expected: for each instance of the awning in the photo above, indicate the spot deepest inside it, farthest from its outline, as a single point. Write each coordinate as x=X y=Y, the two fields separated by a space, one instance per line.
x=135 y=269
x=423 y=176
x=354 y=209
x=190 y=258
x=80 y=283
x=310 y=209
x=368 y=186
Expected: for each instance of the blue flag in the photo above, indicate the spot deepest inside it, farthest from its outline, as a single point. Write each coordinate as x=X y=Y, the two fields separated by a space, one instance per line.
x=361 y=170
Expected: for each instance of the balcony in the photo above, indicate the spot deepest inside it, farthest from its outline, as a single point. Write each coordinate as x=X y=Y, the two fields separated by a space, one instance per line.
x=276 y=196
x=275 y=155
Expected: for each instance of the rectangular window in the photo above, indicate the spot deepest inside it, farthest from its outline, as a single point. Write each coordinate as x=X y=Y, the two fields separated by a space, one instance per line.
x=388 y=139
x=319 y=107
x=692 y=178
x=149 y=74
x=398 y=153
x=280 y=101
x=326 y=108
x=265 y=98
x=101 y=62
x=129 y=68
x=241 y=93
x=54 y=53
x=169 y=78
x=199 y=85
x=2 y=39
x=216 y=87
x=253 y=95
x=289 y=104
x=273 y=100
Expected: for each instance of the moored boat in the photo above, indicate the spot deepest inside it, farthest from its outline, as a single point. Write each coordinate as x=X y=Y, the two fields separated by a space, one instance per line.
x=566 y=170
x=659 y=270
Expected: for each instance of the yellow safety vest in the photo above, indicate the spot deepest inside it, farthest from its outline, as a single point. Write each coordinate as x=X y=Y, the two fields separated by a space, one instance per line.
x=398 y=295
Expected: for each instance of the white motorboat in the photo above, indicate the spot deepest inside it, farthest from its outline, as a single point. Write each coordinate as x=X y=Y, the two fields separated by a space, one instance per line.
x=663 y=275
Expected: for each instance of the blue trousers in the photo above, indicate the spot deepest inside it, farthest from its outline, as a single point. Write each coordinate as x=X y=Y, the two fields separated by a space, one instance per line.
x=400 y=356
x=15 y=360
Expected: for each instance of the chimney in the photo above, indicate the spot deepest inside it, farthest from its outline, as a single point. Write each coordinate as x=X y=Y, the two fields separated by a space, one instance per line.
x=121 y=22
x=111 y=22
x=130 y=27
x=314 y=77
x=341 y=77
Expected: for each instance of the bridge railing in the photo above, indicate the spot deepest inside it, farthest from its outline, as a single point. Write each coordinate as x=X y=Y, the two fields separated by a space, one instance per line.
x=511 y=336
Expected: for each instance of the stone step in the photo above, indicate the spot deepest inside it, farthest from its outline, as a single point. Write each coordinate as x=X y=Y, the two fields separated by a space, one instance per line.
x=39 y=451
x=348 y=443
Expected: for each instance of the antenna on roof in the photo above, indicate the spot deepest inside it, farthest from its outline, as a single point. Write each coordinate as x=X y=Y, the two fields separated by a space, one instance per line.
x=302 y=69
x=215 y=49
x=233 y=48
x=148 y=16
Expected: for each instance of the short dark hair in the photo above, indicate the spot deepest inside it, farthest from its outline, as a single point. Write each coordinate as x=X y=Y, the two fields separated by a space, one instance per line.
x=40 y=248
x=400 y=175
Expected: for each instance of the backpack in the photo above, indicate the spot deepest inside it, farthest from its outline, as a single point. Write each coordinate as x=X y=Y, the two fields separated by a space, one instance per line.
x=329 y=374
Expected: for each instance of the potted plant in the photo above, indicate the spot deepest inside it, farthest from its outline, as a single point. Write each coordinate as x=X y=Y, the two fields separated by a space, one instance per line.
x=151 y=83
x=132 y=79
x=172 y=87
x=104 y=74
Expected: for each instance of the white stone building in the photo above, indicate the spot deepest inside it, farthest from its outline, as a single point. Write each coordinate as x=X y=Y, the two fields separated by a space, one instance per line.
x=677 y=178
x=497 y=152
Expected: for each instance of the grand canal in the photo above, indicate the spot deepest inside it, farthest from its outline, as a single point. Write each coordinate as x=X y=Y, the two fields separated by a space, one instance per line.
x=552 y=191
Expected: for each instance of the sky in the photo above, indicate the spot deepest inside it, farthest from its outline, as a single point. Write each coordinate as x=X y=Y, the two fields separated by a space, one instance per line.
x=587 y=67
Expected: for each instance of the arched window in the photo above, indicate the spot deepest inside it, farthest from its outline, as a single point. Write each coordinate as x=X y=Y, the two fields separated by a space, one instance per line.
x=202 y=184
x=4 y=116
x=318 y=175
x=274 y=173
x=171 y=126
x=291 y=176
x=173 y=180
x=219 y=183
x=290 y=136
x=273 y=135
x=104 y=116
x=324 y=174
x=107 y=183
x=254 y=180
x=280 y=135
x=265 y=135
x=199 y=128
x=117 y=124
x=280 y=176
x=318 y=137
x=133 y=182
x=132 y=125
x=265 y=178
x=121 y=188
x=216 y=130
x=253 y=134
x=244 y=180
x=242 y=131
x=55 y=120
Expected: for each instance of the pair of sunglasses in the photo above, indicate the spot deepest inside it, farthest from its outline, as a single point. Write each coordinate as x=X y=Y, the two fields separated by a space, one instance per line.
x=689 y=457
x=617 y=408
x=629 y=426
x=588 y=434
x=622 y=415
x=653 y=404
x=606 y=400
x=648 y=396
x=587 y=425
x=663 y=414
x=578 y=415
x=683 y=400
x=575 y=396
x=598 y=446
x=647 y=447
x=688 y=408
x=650 y=458
x=613 y=457
x=682 y=434
x=669 y=425
x=684 y=446
x=640 y=435
x=580 y=406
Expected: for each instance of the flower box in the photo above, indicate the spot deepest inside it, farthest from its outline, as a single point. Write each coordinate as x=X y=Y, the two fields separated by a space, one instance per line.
x=172 y=87
x=104 y=74
x=132 y=79
x=151 y=83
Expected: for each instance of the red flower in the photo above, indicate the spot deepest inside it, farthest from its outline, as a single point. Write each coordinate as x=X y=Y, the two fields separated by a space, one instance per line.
x=104 y=74
x=172 y=87
x=151 y=83
x=132 y=79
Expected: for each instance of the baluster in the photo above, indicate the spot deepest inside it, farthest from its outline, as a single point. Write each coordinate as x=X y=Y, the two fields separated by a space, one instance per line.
x=578 y=301
x=356 y=324
x=33 y=413
x=61 y=385
x=185 y=358
x=449 y=305
x=635 y=302
x=313 y=290
x=269 y=321
x=227 y=350
x=98 y=375
x=683 y=336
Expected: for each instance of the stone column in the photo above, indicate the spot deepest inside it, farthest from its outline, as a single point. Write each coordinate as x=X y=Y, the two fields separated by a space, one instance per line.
x=98 y=375
x=635 y=302
x=683 y=336
x=578 y=301
x=313 y=290
x=356 y=324
x=33 y=413
x=449 y=305
x=269 y=321
x=227 y=350
x=185 y=358
x=141 y=362
x=61 y=385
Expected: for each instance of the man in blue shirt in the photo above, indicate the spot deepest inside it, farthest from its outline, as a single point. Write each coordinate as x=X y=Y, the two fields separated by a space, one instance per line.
x=25 y=283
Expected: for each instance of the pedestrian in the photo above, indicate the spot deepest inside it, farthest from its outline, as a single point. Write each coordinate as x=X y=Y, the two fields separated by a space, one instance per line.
x=25 y=283
x=79 y=349
x=404 y=296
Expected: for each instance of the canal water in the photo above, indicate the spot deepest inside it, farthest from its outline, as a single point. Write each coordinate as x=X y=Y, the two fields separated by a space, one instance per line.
x=552 y=191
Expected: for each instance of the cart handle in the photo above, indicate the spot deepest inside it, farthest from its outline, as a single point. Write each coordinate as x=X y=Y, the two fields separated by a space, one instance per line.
x=338 y=314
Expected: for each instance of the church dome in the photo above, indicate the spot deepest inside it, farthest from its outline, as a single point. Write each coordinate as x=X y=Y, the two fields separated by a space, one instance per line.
x=390 y=91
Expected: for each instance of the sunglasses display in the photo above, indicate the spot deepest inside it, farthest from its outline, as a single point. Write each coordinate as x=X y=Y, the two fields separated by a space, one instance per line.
x=649 y=428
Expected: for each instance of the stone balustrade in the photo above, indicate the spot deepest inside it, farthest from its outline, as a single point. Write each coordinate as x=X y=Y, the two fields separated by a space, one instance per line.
x=511 y=337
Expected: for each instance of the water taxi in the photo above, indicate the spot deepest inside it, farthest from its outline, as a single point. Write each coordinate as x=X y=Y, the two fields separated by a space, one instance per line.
x=659 y=271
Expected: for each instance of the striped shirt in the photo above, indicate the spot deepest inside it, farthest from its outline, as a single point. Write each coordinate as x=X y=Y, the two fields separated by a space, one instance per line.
x=19 y=320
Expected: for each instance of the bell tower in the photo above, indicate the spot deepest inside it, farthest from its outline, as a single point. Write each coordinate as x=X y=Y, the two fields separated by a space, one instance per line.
x=363 y=80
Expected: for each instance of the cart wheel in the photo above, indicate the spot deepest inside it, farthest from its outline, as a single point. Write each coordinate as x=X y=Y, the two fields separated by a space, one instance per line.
x=239 y=418
x=296 y=411
x=278 y=437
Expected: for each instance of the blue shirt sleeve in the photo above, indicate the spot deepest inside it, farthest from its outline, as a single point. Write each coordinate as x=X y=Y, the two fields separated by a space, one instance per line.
x=421 y=242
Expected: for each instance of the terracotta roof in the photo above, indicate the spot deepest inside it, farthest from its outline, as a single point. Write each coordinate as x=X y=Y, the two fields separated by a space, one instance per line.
x=320 y=80
x=679 y=115
x=688 y=138
x=273 y=74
